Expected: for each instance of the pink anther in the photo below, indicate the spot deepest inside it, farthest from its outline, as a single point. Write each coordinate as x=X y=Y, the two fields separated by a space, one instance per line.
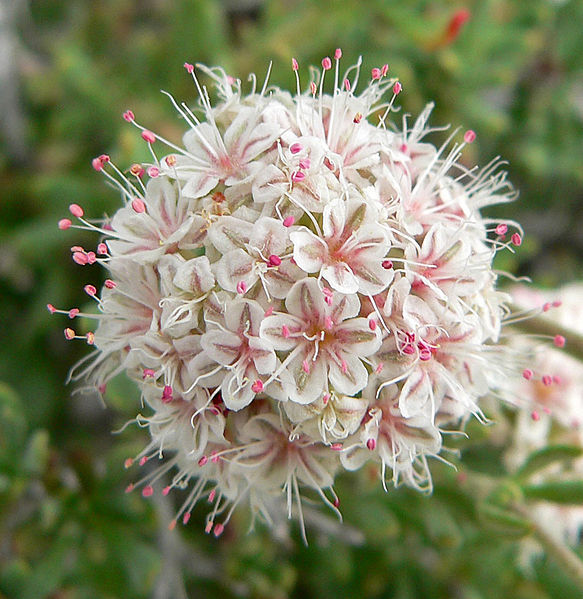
x=288 y=221
x=128 y=463
x=76 y=210
x=137 y=170
x=257 y=386
x=469 y=136
x=148 y=491
x=298 y=176
x=148 y=373
x=347 y=85
x=357 y=118
x=189 y=68
x=547 y=380
x=376 y=74
x=143 y=460
x=51 y=308
x=501 y=229
x=90 y=338
x=338 y=53
x=387 y=264
x=336 y=447
x=212 y=495
x=166 y=490
x=73 y=312
x=170 y=160
x=219 y=528
x=371 y=444
x=69 y=334
x=295 y=148
x=153 y=171
x=306 y=366
x=516 y=239
x=202 y=461
x=527 y=373
x=138 y=205
x=274 y=260
x=167 y=394
x=313 y=88
x=294 y=64
x=535 y=415
x=559 y=341
x=241 y=287
x=326 y=63
x=148 y=136
x=384 y=70
x=91 y=258
x=397 y=88
x=285 y=331
x=90 y=290
x=110 y=284
x=64 y=224
x=128 y=116
x=304 y=163
x=102 y=248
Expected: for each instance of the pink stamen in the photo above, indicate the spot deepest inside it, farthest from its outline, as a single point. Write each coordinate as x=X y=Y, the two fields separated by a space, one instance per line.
x=202 y=461
x=186 y=518
x=110 y=284
x=148 y=136
x=306 y=366
x=143 y=460
x=336 y=447
x=397 y=88
x=501 y=229
x=376 y=74
x=153 y=172
x=51 y=308
x=148 y=491
x=189 y=68
x=559 y=341
x=294 y=64
x=166 y=490
x=371 y=444
x=326 y=63
x=90 y=290
x=76 y=210
x=73 y=312
x=167 y=394
x=288 y=221
x=285 y=331
x=69 y=334
x=347 y=85
x=274 y=260
x=208 y=526
x=219 y=528
x=535 y=415
x=128 y=116
x=547 y=380
x=257 y=386
x=387 y=264
x=313 y=88
x=295 y=148
x=298 y=176
x=384 y=70
x=129 y=488
x=102 y=248
x=527 y=373
x=138 y=205
x=241 y=287
x=516 y=239
x=372 y=324
x=64 y=224
x=128 y=463
x=304 y=163
x=170 y=160
x=269 y=311
x=328 y=322
x=338 y=54
x=212 y=495
x=469 y=136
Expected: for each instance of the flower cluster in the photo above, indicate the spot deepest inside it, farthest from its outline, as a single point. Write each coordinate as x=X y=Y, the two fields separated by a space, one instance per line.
x=301 y=287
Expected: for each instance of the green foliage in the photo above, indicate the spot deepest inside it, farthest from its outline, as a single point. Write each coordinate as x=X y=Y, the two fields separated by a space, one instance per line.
x=514 y=74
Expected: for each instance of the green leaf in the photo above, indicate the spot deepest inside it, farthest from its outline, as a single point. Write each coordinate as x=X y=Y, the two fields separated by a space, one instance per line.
x=503 y=521
x=566 y=492
x=548 y=455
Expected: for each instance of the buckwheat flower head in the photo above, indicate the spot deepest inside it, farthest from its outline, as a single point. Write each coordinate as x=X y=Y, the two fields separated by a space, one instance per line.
x=302 y=286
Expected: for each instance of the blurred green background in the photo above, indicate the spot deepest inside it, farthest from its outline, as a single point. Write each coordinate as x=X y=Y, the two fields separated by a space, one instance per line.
x=69 y=68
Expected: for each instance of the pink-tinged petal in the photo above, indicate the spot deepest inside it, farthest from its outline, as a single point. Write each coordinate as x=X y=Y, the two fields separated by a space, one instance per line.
x=195 y=276
x=347 y=373
x=417 y=313
x=343 y=307
x=244 y=316
x=396 y=296
x=416 y=394
x=340 y=277
x=282 y=278
x=235 y=266
x=223 y=347
x=199 y=184
x=372 y=239
x=262 y=354
x=308 y=377
x=269 y=236
x=355 y=336
x=334 y=218
x=306 y=301
x=371 y=276
x=236 y=395
x=246 y=139
x=230 y=233
x=282 y=331
x=269 y=184
x=310 y=251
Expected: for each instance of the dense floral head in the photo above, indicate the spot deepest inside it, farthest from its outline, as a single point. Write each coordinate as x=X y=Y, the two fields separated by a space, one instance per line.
x=302 y=286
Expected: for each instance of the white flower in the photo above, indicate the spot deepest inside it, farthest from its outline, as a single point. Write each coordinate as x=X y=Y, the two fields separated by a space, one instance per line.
x=301 y=287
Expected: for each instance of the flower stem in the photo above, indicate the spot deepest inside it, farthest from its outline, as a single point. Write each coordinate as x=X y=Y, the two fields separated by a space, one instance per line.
x=559 y=551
